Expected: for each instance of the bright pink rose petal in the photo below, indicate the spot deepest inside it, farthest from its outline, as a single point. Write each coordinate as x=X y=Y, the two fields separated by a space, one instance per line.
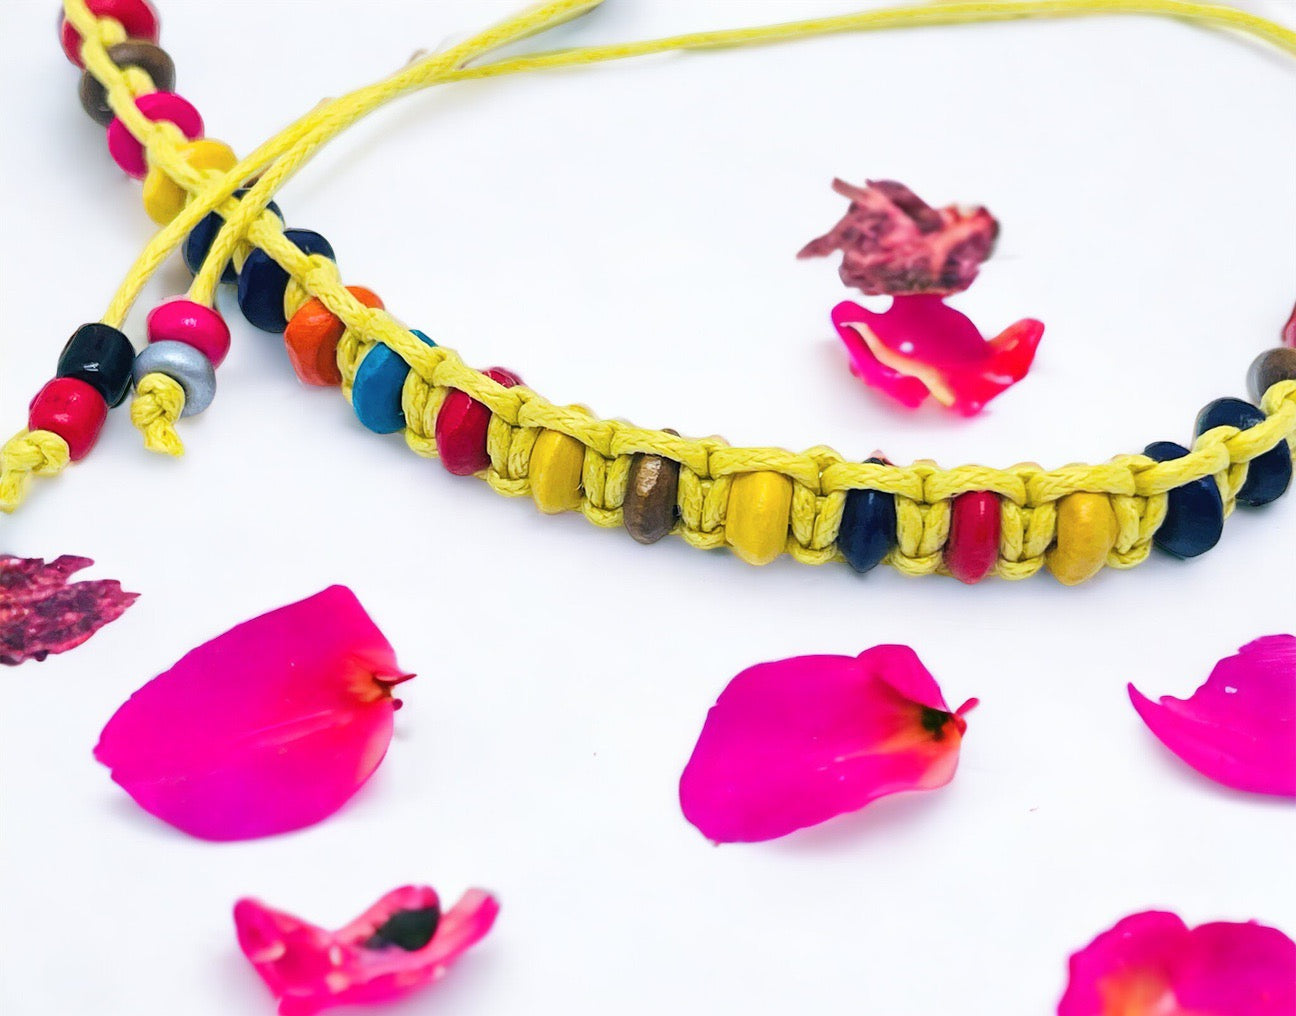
x=920 y=346
x=267 y=728
x=1239 y=728
x=793 y=743
x=401 y=943
x=1152 y=964
x=41 y=612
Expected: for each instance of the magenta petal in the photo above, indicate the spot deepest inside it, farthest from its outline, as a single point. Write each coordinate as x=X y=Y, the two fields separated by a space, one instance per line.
x=267 y=728
x=796 y=742
x=1152 y=964
x=401 y=943
x=1239 y=728
x=41 y=612
x=849 y=318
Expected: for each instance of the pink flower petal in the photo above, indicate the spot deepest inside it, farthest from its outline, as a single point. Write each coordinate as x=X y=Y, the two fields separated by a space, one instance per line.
x=793 y=743
x=893 y=242
x=401 y=943
x=920 y=347
x=1239 y=728
x=1151 y=964
x=42 y=613
x=267 y=728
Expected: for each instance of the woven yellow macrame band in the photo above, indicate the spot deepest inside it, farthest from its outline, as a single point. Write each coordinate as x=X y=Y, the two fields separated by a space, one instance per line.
x=820 y=477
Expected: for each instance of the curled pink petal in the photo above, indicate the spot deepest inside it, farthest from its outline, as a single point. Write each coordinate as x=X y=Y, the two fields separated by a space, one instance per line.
x=1239 y=728
x=893 y=242
x=42 y=613
x=267 y=728
x=920 y=346
x=1152 y=964
x=793 y=743
x=401 y=943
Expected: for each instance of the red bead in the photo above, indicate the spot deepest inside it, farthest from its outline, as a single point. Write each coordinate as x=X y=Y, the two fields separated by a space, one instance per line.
x=973 y=545
x=194 y=324
x=136 y=16
x=461 y=427
x=73 y=410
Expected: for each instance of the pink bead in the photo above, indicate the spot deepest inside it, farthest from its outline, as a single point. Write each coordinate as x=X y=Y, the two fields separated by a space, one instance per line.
x=136 y=16
x=71 y=409
x=182 y=320
x=126 y=150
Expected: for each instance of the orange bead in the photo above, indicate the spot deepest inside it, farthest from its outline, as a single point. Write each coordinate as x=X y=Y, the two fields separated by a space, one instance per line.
x=312 y=337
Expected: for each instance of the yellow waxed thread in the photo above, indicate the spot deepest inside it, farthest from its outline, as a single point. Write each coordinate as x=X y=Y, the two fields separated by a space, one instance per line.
x=923 y=528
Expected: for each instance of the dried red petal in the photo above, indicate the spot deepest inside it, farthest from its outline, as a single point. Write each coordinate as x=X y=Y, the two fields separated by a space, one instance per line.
x=893 y=243
x=42 y=613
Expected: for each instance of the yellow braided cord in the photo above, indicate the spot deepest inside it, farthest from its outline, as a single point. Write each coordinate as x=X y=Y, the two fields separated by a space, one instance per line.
x=159 y=401
x=28 y=453
x=1136 y=485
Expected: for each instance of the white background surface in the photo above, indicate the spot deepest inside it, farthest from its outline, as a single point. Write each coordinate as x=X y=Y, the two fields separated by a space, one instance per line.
x=625 y=236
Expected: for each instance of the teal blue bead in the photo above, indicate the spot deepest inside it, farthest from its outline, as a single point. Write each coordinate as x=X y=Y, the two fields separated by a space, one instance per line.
x=376 y=392
x=1194 y=518
x=868 y=527
x=1268 y=475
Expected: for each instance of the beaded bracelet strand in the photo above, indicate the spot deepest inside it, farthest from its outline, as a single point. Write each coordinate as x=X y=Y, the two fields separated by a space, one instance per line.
x=968 y=522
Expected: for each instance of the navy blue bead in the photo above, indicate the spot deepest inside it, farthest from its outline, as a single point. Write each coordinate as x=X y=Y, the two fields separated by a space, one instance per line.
x=868 y=527
x=1194 y=518
x=262 y=283
x=376 y=391
x=102 y=357
x=203 y=235
x=1268 y=475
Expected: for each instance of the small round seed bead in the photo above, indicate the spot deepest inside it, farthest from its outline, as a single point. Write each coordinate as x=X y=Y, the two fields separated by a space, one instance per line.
x=1269 y=474
x=556 y=466
x=1194 y=519
x=463 y=425
x=652 y=489
x=202 y=236
x=1087 y=530
x=312 y=335
x=868 y=527
x=164 y=199
x=137 y=17
x=72 y=409
x=973 y=546
x=756 y=520
x=182 y=320
x=101 y=357
x=183 y=364
x=128 y=153
x=378 y=386
x=1270 y=367
x=151 y=59
x=262 y=282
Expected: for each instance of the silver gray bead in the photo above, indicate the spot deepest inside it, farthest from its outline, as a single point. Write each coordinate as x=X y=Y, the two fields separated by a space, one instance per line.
x=186 y=365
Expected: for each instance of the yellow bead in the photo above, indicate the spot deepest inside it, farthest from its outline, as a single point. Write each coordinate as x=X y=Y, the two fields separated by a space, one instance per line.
x=555 y=470
x=756 y=524
x=163 y=197
x=1086 y=532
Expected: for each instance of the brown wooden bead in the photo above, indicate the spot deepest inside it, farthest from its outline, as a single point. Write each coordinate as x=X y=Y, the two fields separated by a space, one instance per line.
x=1270 y=367
x=151 y=59
x=648 y=510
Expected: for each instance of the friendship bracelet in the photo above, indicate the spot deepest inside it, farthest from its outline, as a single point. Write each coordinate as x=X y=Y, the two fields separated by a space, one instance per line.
x=817 y=506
